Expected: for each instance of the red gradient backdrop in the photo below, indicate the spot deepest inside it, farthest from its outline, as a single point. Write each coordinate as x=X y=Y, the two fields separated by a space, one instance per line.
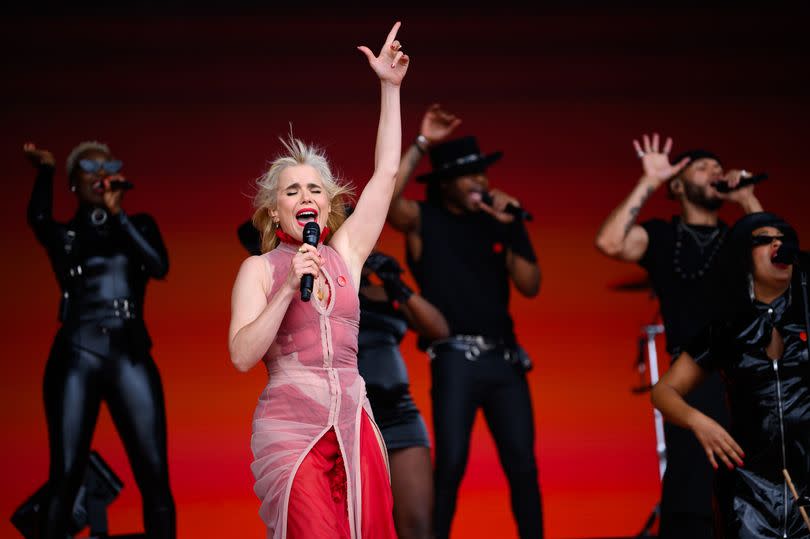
x=194 y=106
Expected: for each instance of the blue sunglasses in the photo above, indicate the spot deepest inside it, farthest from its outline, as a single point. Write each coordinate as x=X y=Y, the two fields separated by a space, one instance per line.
x=92 y=166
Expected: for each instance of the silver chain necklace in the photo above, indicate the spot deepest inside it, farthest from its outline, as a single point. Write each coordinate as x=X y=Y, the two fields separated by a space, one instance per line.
x=701 y=240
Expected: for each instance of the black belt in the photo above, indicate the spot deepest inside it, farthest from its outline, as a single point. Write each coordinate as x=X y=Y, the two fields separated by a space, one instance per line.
x=475 y=346
x=123 y=308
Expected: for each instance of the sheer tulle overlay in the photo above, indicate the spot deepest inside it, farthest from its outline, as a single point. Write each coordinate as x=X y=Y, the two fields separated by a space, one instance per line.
x=313 y=390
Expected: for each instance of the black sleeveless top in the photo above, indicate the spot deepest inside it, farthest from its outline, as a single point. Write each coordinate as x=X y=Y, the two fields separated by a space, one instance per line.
x=462 y=271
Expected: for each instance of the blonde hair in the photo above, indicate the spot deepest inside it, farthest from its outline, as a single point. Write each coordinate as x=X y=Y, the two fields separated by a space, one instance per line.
x=296 y=153
x=85 y=146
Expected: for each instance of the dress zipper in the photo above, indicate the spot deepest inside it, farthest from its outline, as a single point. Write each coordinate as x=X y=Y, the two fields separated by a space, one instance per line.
x=782 y=435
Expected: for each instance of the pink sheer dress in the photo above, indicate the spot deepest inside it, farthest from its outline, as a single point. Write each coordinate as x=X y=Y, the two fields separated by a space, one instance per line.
x=315 y=397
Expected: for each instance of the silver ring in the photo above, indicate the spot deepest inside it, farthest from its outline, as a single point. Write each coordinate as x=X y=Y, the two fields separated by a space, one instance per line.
x=640 y=154
x=744 y=173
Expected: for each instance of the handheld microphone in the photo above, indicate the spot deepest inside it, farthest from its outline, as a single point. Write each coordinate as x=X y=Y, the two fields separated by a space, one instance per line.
x=722 y=187
x=121 y=185
x=118 y=183
x=788 y=253
x=515 y=211
x=312 y=234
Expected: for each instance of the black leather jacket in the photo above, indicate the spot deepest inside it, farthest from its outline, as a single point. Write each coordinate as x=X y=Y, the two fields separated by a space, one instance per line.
x=102 y=269
x=770 y=409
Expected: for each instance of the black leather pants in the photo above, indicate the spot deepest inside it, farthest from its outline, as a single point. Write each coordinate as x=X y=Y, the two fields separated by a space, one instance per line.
x=76 y=381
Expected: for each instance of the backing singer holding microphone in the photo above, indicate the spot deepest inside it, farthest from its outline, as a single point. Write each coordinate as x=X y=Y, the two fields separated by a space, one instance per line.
x=678 y=256
x=463 y=252
x=319 y=459
x=103 y=259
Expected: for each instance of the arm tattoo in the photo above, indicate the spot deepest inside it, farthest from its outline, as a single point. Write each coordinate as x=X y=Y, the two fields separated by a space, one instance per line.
x=635 y=210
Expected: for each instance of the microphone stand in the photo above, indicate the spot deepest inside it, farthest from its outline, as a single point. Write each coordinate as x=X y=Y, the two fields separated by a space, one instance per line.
x=649 y=332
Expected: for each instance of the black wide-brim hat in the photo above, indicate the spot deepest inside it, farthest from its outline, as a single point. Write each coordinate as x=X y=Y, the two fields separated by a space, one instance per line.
x=456 y=158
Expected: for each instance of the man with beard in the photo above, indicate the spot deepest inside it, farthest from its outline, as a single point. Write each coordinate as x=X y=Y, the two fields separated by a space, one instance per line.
x=677 y=256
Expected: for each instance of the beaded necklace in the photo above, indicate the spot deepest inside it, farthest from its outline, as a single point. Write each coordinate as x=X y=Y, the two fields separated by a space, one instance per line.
x=714 y=239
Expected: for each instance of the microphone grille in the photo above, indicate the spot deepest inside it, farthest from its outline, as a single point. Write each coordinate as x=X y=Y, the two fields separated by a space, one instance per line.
x=312 y=233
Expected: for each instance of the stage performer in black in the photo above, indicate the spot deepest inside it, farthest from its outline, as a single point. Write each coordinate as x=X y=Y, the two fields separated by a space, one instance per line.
x=678 y=255
x=757 y=340
x=464 y=247
x=102 y=259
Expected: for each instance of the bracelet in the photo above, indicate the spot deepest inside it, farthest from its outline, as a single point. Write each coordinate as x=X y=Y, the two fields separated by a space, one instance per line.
x=421 y=143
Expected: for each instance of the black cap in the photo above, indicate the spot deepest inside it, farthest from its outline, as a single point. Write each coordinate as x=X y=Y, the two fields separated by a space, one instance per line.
x=696 y=154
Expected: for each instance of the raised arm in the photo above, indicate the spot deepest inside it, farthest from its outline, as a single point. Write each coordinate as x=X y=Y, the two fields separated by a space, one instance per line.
x=40 y=207
x=668 y=396
x=620 y=237
x=521 y=260
x=437 y=125
x=355 y=239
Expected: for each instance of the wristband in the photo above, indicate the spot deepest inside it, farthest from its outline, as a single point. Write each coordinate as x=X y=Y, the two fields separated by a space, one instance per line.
x=421 y=142
x=519 y=242
x=397 y=291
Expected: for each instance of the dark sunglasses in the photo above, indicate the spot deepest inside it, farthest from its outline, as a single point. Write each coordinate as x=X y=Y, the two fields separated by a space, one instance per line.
x=764 y=239
x=92 y=166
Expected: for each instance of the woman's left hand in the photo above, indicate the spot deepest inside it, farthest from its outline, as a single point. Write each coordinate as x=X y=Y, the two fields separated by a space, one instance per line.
x=392 y=63
x=113 y=197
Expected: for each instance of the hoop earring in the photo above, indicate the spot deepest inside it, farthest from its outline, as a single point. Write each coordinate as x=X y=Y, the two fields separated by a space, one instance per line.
x=751 y=293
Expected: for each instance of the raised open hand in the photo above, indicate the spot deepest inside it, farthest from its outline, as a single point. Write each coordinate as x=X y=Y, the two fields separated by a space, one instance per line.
x=655 y=161
x=38 y=157
x=392 y=63
x=438 y=124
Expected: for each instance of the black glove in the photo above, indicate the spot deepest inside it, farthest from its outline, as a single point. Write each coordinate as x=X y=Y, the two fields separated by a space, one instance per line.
x=389 y=271
x=378 y=261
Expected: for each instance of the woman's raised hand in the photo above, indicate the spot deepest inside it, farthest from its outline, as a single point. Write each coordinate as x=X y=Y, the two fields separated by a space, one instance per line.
x=392 y=63
x=38 y=157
